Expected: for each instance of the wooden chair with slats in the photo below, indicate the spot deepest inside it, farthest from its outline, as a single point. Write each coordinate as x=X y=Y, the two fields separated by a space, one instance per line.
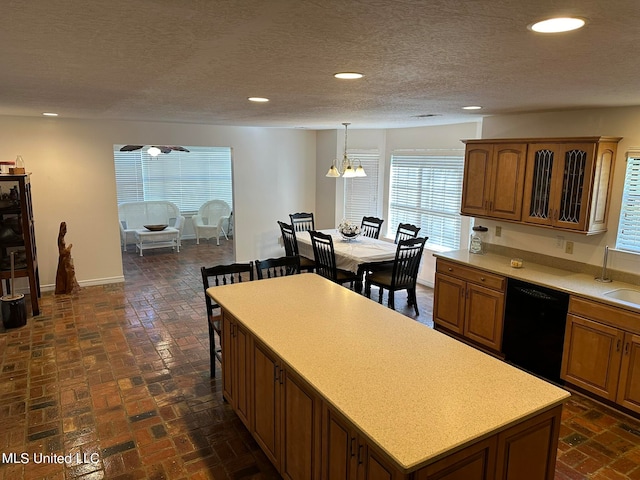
x=371 y=227
x=325 y=258
x=402 y=276
x=302 y=222
x=291 y=247
x=405 y=231
x=214 y=277
x=277 y=267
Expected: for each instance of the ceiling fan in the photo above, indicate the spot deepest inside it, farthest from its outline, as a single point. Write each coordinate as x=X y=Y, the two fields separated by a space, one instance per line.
x=160 y=149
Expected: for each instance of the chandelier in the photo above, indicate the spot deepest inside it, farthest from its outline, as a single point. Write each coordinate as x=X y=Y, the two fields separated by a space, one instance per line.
x=346 y=168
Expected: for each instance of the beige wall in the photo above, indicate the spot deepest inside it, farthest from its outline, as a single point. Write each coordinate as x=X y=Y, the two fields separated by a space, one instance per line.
x=275 y=173
x=73 y=181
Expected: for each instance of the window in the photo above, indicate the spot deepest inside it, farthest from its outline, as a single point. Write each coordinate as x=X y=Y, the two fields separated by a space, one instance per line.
x=187 y=179
x=361 y=193
x=426 y=191
x=629 y=225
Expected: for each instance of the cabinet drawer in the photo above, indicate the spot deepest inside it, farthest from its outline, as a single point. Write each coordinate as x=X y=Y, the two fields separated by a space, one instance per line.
x=607 y=314
x=474 y=275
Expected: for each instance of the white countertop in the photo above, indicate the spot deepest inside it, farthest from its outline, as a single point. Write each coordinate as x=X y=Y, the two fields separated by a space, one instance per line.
x=562 y=280
x=415 y=392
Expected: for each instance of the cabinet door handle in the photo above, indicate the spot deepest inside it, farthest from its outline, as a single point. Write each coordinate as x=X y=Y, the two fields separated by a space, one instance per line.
x=360 y=459
x=626 y=348
x=281 y=376
x=275 y=372
x=352 y=449
x=450 y=269
x=618 y=345
x=482 y=279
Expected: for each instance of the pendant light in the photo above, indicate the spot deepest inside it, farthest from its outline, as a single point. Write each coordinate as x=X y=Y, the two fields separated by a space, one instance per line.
x=347 y=169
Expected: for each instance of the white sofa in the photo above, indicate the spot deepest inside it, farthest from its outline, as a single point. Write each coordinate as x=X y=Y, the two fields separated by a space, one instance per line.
x=211 y=219
x=135 y=215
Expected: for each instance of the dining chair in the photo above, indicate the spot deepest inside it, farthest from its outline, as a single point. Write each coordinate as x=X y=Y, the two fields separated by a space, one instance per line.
x=405 y=231
x=291 y=247
x=277 y=267
x=302 y=222
x=371 y=227
x=403 y=275
x=325 y=259
x=213 y=277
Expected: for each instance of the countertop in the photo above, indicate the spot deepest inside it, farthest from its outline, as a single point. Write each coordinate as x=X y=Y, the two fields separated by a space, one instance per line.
x=413 y=391
x=562 y=280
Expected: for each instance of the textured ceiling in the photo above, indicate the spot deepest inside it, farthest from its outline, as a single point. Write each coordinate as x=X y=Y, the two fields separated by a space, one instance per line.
x=197 y=61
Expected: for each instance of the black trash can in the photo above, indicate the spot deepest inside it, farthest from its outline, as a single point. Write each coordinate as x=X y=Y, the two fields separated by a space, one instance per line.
x=14 y=311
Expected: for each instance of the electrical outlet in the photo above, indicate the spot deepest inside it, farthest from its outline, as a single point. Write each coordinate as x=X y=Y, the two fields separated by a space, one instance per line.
x=569 y=248
x=498 y=231
x=559 y=241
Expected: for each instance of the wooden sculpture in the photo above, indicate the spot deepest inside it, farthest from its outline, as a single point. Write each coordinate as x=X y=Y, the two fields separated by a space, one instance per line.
x=66 y=275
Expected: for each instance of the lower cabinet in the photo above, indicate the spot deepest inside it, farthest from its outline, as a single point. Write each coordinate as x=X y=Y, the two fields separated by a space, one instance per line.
x=235 y=364
x=469 y=303
x=603 y=358
x=286 y=417
x=347 y=455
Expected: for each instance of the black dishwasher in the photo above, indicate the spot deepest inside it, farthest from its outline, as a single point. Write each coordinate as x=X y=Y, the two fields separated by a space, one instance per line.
x=534 y=323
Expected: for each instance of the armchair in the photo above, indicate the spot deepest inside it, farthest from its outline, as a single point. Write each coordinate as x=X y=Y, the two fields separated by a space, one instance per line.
x=211 y=220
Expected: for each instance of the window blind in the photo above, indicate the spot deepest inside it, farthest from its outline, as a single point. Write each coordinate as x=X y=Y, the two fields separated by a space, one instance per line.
x=187 y=179
x=629 y=225
x=426 y=191
x=361 y=193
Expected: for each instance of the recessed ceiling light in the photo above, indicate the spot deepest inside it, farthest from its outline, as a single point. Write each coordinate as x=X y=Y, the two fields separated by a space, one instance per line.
x=348 y=75
x=472 y=107
x=557 y=25
x=258 y=99
x=49 y=114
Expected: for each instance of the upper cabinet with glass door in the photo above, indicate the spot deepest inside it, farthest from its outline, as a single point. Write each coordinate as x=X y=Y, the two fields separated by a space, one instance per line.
x=567 y=184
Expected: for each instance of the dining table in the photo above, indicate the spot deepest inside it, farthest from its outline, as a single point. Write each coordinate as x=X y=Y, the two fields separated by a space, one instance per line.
x=355 y=255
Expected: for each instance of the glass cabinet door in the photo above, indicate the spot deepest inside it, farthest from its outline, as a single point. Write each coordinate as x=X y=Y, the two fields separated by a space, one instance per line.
x=542 y=169
x=571 y=196
x=555 y=184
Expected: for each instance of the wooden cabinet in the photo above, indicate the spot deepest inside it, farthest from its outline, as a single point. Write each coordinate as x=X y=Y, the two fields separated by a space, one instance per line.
x=493 y=179
x=562 y=183
x=567 y=183
x=592 y=356
x=346 y=455
x=235 y=364
x=17 y=233
x=526 y=450
x=600 y=354
x=286 y=417
x=469 y=303
x=265 y=423
x=476 y=462
x=629 y=383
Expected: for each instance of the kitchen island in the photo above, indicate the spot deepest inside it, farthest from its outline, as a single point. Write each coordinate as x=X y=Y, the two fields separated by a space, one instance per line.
x=333 y=385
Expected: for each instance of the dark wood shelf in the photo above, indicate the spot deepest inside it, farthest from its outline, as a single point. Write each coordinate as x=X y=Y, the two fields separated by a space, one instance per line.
x=22 y=215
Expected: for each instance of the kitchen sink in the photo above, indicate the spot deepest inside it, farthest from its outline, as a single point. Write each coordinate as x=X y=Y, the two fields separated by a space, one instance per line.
x=628 y=295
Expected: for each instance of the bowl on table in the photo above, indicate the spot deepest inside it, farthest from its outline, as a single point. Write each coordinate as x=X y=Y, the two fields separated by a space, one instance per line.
x=155 y=228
